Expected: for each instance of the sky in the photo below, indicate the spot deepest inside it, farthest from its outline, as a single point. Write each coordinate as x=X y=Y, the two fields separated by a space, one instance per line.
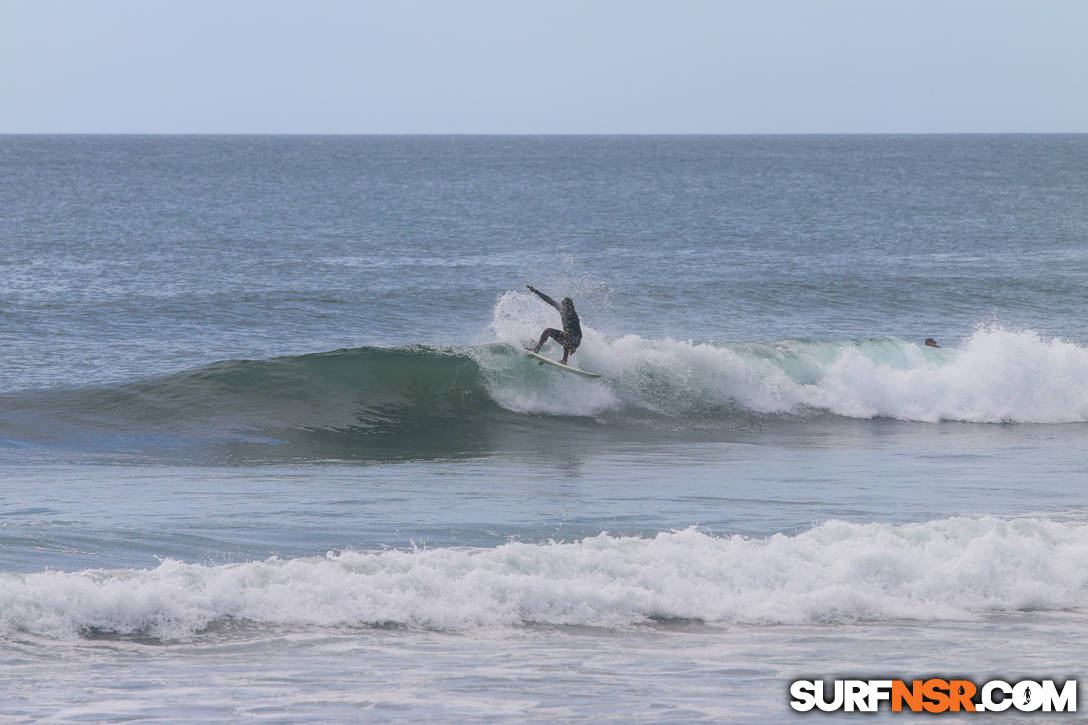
x=543 y=66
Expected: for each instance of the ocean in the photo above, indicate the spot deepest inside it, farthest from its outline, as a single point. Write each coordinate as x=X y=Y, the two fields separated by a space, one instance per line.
x=270 y=448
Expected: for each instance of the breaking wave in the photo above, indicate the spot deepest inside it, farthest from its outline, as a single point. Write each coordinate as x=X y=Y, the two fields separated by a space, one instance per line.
x=949 y=569
x=419 y=400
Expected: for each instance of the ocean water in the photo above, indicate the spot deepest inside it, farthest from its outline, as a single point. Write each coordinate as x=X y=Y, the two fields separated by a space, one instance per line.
x=269 y=448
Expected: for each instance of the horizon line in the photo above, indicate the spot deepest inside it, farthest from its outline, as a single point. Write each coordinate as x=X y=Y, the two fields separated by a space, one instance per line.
x=537 y=134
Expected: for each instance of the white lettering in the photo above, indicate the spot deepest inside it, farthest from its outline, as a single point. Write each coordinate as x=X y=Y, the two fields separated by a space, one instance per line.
x=879 y=690
x=821 y=698
x=856 y=695
x=988 y=702
x=1027 y=696
x=1064 y=701
x=803 y=693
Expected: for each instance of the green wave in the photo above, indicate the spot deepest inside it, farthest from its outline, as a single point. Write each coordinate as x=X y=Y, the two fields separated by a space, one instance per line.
x=359 y=403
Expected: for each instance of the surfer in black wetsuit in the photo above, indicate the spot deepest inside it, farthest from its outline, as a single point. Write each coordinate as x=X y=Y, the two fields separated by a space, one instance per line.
x=571 y=336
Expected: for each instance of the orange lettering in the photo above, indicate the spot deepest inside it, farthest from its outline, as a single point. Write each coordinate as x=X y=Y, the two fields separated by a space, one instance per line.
x=936 y=691
x=912 y=695
x=961 y=692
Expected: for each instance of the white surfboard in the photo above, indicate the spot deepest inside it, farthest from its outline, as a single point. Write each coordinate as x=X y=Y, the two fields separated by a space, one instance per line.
x=568 y=368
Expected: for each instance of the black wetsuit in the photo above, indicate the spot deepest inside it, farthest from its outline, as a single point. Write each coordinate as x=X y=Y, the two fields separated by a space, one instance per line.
x=571 y=336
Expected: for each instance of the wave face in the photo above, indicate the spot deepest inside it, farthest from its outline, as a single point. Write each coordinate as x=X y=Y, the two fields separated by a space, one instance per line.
x=950 y=569
x=423 y=401
x=995 y=376
x=321 y=404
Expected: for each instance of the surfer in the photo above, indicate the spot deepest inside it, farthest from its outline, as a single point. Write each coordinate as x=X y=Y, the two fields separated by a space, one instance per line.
x=571 y=336
x=930 y=342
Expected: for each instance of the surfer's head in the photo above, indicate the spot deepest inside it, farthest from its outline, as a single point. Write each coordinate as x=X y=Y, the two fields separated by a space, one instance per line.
x=930 y=342
x=567 y=303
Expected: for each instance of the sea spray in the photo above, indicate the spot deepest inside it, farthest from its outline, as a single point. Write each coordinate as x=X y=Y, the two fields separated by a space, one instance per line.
x=995 y=376
x=422 y=401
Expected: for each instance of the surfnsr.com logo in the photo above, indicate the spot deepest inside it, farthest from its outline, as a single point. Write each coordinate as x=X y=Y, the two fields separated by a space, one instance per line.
x=934 y=695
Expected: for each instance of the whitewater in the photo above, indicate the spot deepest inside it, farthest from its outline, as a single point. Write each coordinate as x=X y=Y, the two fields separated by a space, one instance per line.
x=995 y=376
x=953 y=569
x=274 y=451
x=420 y=395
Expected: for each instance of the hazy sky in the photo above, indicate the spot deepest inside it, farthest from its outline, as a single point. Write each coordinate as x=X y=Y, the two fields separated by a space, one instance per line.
x=546 y=66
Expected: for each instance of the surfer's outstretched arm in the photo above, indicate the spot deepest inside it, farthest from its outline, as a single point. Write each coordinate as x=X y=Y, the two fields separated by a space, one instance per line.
x=543 y=296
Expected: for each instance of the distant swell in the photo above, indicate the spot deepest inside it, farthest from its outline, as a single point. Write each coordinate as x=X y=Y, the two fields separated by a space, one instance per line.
x=949 y=569
x=425 y=401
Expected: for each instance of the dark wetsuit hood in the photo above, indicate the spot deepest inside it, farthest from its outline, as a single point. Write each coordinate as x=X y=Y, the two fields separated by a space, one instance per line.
x=571 y=324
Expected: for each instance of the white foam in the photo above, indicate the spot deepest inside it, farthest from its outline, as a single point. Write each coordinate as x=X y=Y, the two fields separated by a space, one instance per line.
x=518 y=321
x=956 y=568
x=996 y=375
